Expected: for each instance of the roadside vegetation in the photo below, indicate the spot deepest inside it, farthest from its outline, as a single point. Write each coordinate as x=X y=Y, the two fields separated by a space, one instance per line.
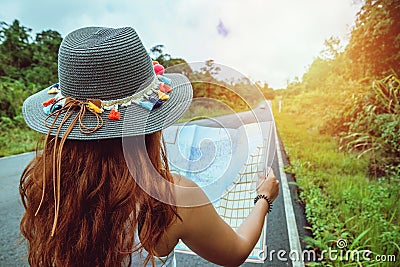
x=340 y=126
x=27 y=65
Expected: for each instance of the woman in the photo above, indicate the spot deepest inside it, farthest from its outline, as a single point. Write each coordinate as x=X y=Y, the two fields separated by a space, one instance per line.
x=100 y=193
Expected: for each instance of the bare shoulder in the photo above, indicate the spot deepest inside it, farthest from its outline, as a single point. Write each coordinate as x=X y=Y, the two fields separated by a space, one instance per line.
x=183 y=181
x=191 y=202
x=188 y=193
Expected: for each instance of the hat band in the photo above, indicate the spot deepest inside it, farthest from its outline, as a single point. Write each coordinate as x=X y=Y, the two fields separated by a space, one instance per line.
x=151 y=97
x=149 y=93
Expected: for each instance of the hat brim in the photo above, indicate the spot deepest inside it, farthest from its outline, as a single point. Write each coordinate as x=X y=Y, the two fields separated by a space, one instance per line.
x=135 y=120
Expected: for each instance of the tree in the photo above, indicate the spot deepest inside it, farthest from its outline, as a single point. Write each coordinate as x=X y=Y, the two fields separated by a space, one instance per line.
x=268 y=92
x=31 y=61
x=210 y=69
x=332 y=48
x=374 y=47
x=45 y=56
x=15 y=49
x=157 y=54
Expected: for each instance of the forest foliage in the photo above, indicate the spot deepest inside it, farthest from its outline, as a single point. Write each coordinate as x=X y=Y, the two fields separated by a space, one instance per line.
x=355 y=89
x=27 y=64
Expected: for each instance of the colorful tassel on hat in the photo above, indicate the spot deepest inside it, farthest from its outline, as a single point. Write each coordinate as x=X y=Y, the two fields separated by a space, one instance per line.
x=146 y=104
x=114 y=114
x=96 y=102
x=164 y=79
x=153 y=99
x=51 y=108
x=163 y=96
x=92 y=107
x=55 y=107
x=48 y=102
x=54 y=89
x=164 y=88
x=158 y=103
x=158 y=69
x=46 y=109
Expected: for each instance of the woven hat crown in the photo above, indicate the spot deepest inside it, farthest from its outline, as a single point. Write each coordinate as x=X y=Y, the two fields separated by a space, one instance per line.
x=103 y=63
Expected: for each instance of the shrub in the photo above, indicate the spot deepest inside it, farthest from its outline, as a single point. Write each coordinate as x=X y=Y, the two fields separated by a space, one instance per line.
x=374 y=126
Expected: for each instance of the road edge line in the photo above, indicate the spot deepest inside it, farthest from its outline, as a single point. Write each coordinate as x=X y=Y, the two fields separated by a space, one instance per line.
x=293 y=234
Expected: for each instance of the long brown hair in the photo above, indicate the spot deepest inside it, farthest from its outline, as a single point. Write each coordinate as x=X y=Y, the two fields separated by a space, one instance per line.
x=100 y=202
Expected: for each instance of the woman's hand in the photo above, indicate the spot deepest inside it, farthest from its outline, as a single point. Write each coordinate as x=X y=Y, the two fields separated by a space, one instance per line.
x=268 y=186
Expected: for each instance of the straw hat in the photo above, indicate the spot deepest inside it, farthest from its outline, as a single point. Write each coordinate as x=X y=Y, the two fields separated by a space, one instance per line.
x=107 y=88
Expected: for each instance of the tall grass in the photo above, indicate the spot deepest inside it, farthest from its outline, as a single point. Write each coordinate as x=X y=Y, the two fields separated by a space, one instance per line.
x=16 y=137
x=341 y=202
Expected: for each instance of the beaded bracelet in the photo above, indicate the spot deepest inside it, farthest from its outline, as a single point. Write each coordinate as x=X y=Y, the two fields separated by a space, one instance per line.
x=267 y=199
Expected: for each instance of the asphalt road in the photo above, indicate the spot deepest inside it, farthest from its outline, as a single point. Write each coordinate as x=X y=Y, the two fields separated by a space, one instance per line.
x=11 y=210
x=13 y=250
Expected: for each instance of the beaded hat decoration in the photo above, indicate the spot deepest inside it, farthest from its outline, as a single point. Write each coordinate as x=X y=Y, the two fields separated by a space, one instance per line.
x=150 y=98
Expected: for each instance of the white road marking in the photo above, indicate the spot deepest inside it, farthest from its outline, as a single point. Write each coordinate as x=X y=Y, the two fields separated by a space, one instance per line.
x=293 y=235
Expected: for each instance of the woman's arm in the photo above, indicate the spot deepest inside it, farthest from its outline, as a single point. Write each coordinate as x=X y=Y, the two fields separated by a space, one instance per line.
x=208 y=235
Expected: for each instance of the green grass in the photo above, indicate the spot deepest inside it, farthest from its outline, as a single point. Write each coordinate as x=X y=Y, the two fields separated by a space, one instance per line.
x=341 y=201
x=17 y=139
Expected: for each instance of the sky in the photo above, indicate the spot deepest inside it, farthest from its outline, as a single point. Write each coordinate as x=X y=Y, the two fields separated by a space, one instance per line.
x=270 y=41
